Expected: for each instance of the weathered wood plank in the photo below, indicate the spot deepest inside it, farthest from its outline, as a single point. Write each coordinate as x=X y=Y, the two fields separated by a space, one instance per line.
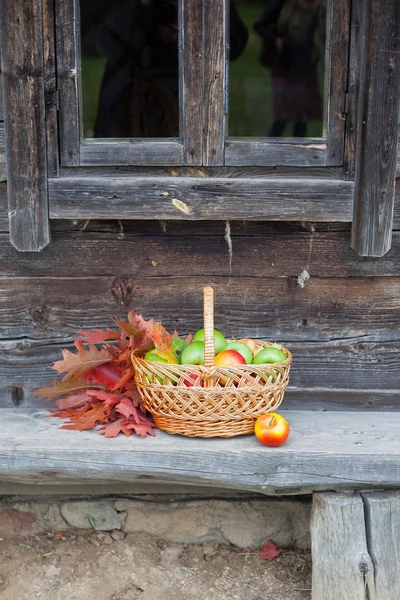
x=148 y=152
x=217 y=199
x=3 y=208
x=337 y=50
x=207 y=172
x=333 y=376
x=23 y=77
x=68 y=55
x=383 y=536
x=377 y=127
x=276 y=309
x=322 y=453
x=192 y=81
x=299 y=153
x=50 y=87
x=342 y=566
x=3 y=157
x=353 y=84
x=271 y=250
x=215 y=71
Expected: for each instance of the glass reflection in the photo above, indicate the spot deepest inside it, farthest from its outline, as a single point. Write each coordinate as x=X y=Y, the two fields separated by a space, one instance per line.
x=129 y=68
x=276 y=85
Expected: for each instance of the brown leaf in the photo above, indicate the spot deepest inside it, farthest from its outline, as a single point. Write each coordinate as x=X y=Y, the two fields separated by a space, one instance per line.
x=139 y=329
x=143 y=428
x=74 y=364
x=98 y=336
x=74 y=401
x=61 y=388
x=162 y=341
x=96 y=414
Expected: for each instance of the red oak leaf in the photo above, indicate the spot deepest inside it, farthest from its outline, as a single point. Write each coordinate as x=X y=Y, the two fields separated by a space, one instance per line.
x=98 y=336
x=113 y=429
x=269 y=551
x=61 y=388
x=73 y=401
x=162 y=341
x=85 y=359
x=96 y=414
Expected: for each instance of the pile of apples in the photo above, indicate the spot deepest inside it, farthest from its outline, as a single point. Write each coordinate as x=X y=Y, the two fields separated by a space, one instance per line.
x=241 y=352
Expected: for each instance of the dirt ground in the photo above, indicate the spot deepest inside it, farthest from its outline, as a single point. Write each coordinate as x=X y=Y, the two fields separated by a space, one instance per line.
x=102 y=566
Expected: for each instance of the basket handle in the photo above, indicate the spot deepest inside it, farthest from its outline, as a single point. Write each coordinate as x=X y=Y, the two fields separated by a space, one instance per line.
x=208 y=326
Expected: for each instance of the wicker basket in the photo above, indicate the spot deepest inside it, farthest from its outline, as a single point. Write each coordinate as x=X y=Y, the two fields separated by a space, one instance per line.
x=223 y=401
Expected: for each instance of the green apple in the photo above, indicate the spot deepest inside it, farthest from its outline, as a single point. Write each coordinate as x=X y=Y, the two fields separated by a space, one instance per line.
x=268 y=356
x=178 y=345
x=219 y=340
x=193 y=354
x=152 y=356
x=243 y=349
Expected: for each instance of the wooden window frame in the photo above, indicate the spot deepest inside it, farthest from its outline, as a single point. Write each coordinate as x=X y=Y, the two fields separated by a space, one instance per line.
x=218 y=149
x=41 y=187
x=327 y=150
x=77 y=151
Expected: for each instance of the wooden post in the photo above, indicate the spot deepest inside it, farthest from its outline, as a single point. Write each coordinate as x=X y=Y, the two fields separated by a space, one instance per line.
x=378 y=64
x=383 y=534
x=24 y=100
x=342 y=566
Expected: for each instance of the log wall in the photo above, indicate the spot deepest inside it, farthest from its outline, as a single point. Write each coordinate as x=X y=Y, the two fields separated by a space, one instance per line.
x=298 y=284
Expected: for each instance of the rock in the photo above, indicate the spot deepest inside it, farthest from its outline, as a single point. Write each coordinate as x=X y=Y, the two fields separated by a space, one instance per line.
x=51 y=571
x=117 y=535
x=171 y=555
x=242 y=523
x=16 y=524
x=99 y=515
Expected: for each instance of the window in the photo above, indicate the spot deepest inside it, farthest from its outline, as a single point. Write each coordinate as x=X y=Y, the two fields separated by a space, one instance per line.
x=201 y=109
x=172 y=82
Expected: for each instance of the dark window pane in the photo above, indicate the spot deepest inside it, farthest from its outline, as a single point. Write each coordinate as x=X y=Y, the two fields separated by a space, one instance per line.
x=129 y=68
x=276 y=81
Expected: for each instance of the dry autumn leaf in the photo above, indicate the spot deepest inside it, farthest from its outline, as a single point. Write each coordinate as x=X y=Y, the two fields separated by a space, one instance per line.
x=270 y=551
x=96 y=413
x=75 y=364
x=61 y=388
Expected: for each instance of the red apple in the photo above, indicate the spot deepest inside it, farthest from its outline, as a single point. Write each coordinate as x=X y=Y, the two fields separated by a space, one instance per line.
x=193 y=379
x=226 y=358
x=272 y=429
x=250 y=343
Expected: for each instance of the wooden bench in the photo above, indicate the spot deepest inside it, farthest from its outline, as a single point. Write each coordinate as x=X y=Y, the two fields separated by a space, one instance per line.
x=350 y=461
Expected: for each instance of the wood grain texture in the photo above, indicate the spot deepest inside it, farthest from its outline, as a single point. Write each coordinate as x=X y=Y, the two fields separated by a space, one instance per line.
x=147 y=152
x=206 y=172
x=23 y=78
x=337 y=49
x=377 y=127
x=353 y=84
x=342 y=567
x=383 y=536
x=215 y=39
x=3 y=208
x=192 y=81
x=67 y=48
x=3 y=157
x=322 y=453
x=217 y=199
x=50 y=87
x=299 y=153
x=269 y=250
x=273 y=309
x=349 y=375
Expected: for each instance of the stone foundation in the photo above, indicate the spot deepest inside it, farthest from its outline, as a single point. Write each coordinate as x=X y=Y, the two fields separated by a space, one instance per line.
x=245 y=522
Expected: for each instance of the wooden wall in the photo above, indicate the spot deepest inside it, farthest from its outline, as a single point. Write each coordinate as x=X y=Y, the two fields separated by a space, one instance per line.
x=342 y=324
